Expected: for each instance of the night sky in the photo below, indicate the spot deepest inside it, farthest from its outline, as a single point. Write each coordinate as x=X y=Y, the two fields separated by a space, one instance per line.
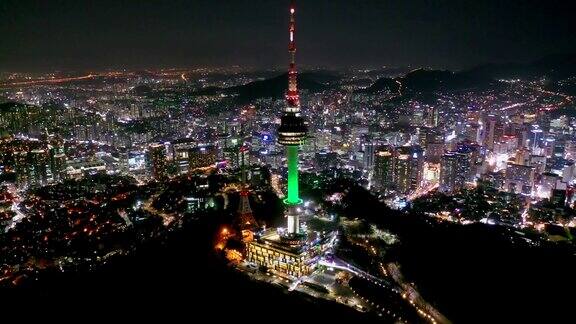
x=98 y=34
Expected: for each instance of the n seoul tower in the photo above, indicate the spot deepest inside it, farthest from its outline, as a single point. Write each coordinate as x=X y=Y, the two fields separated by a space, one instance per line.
x=292 y=132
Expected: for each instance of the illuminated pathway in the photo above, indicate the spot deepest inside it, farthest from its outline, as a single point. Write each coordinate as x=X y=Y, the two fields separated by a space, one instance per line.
x=410 y=294
x=342 y=265
x=422 y=191
x=14 y=208
x=404 y=291
x=167 y=218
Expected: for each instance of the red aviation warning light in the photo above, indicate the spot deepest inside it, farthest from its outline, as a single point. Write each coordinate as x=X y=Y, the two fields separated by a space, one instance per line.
x=292 y=97
x=292 y=30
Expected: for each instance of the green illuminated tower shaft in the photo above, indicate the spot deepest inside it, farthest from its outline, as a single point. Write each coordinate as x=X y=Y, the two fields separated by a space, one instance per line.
x=291 y=133
x=292 y=157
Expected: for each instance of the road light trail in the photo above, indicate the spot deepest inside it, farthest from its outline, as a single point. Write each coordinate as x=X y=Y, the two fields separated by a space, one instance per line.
x=62 y=80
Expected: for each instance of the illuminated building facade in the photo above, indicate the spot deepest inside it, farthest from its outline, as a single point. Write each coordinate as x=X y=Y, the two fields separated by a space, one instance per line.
x=410 y=168
x=368 y=157
x=325 y=160
x=548 y=182
x=519 y=179
x=180 y=154
x=32 y=167
x=384 y=168
x=454 y=169
x=491 y=133
x=202 y=156
x=473 y=132
x=402 y=172
x=280 y=254
x=536 y=139
x=434 y=151
x=522 y=156
x=157 y=153
x=399 y=169
x=432 y=116
x=57 y=159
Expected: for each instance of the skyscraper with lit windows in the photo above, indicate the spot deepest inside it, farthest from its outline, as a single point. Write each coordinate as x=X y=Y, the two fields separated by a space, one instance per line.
x=157 y=153
x=454 y=168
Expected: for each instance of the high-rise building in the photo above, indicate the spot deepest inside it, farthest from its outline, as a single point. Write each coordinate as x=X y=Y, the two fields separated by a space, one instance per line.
x=559 y=149
x=181 y=154
x=325 y=160
x=384 y=168
x=402 y=172
x=521 y=131
x=368 y=157
x=538 y=162
x=223 y=140
x=454 y=168
x=58 y=167
x=32 y=167
x=472 y=159
x=558 y=198
x=519 y=178
x=489 y=131
x=416 y=167
x=499 y=131
x=38 y=167
x=399 y=169
x=157 y=155
x=472 y=132
x=427 y=135
x=548 y=182
x=536 y=139
x=434 y=151
x=563 y=168
x=432 y=116
x=409 y=167
x=21 y=167
x=202 y=156
x=57 y=159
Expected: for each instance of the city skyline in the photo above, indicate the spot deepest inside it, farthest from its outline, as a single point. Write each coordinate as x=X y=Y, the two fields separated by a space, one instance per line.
x=394 y=195
x=336 y=34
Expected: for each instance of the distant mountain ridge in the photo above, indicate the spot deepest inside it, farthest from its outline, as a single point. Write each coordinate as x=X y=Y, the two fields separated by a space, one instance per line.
x=382 y=85
x=554 y=67
x=423 y=80
x=273 y=87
